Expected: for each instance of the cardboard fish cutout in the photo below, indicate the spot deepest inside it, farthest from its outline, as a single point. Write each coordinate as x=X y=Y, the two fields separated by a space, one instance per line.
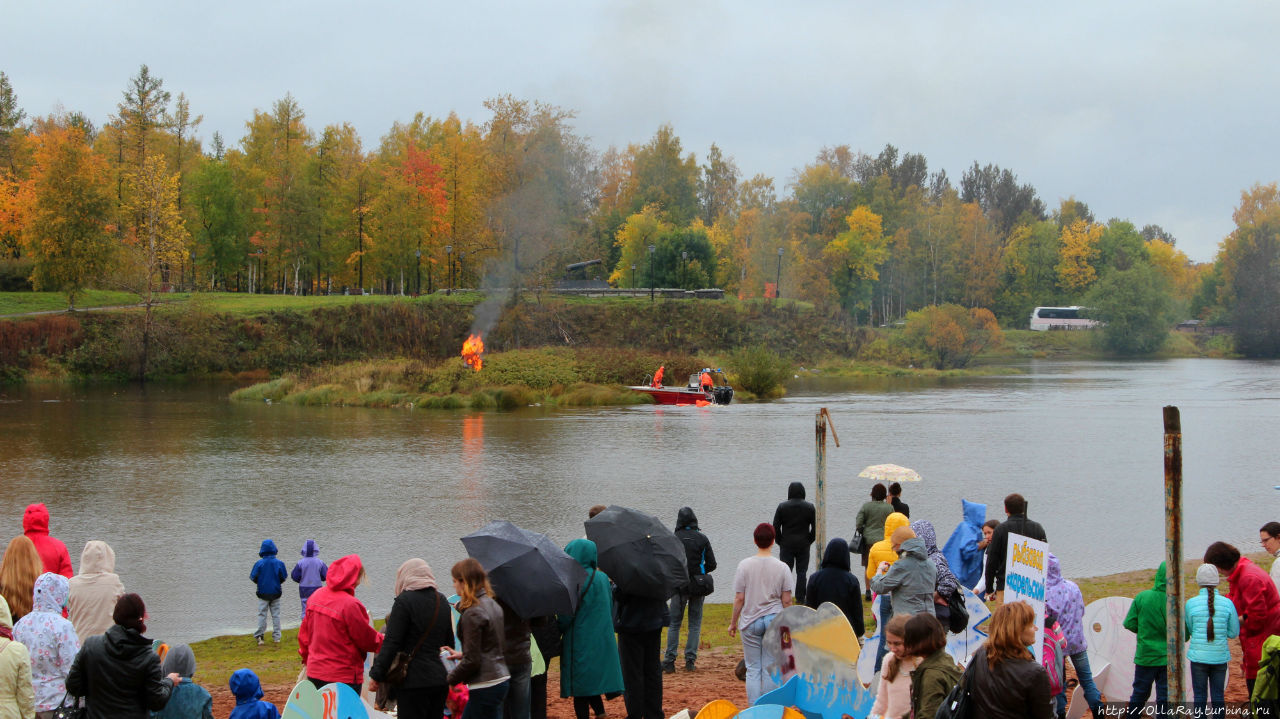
x=332 y=701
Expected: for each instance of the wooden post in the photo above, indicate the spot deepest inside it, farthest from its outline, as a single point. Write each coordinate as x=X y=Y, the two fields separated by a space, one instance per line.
x=820 y=485
x=1173 y=552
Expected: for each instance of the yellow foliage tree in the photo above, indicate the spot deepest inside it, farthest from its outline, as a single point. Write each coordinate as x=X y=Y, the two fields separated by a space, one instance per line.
x=1175 y=266
x=159 y=239
x=1077 y=250
x=634 y=237
x=856 y=255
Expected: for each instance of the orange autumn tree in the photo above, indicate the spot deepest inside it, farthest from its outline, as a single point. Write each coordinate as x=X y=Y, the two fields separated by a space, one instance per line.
x=64 y=207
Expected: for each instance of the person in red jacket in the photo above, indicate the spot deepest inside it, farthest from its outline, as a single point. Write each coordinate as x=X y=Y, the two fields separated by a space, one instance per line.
x=53 y=553
x=336 y=633
x=1255 y=598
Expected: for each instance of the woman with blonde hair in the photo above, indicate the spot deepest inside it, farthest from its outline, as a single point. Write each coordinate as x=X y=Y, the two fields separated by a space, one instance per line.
x=18 y=572
x=1004 y=679
x=481 y=663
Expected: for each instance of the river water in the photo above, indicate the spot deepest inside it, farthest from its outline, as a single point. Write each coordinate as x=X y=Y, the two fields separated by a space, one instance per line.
x=184 y=484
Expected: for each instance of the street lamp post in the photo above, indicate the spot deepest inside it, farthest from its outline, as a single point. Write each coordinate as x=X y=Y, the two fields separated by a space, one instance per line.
x=448 y=253
x=633 y=274
x=193 y=270
x=777 y=282
x=684 y=265
x=651 y=249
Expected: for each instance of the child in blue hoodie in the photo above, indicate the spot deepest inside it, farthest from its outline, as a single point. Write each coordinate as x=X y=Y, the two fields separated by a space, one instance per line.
x=309 y=572
x=268 y=573
x=248 y=690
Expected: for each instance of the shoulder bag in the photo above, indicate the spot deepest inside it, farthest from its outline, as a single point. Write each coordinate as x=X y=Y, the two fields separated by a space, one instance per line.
x=959 y=620
x=68 y=711
x=399 y=668
x=855 y=542
x=958 y=704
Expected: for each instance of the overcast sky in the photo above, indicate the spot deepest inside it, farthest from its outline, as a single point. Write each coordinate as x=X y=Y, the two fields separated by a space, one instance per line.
x=1153 y=112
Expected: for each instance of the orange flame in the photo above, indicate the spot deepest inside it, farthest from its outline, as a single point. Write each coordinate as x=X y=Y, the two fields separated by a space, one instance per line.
x=473 y=351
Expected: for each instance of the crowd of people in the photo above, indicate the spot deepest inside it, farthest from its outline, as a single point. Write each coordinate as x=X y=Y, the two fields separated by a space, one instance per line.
x=70 y=638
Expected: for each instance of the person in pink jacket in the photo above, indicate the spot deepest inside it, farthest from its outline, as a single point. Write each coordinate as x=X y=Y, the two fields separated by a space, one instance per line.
x=53 y=553
x=336 y=634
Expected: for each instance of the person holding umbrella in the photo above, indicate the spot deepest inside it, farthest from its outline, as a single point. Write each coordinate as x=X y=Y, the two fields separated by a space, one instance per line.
x=589 y=663
x=762 y=588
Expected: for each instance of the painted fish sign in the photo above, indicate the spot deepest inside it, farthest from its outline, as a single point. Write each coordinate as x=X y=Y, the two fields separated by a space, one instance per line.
x=1025 y=569
x=332 y=701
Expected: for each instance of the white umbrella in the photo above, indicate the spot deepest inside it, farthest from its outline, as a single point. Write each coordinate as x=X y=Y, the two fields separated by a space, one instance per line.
x=889 y=473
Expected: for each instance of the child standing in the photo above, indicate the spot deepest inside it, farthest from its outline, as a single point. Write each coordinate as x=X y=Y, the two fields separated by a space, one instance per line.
x=268 y=573
x=309 y=572
x=1146 y=619
x=248 y=692
x=1211 y=620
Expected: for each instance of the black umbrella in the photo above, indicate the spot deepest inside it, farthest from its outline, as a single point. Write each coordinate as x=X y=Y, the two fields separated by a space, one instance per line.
x=528 y=571
x=638 y=552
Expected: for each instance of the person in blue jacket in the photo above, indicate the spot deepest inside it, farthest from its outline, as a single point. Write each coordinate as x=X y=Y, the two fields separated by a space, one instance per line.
x=1211 y=620
x=310 y=572
x=248 y=692
x=965 y=548
x=268 y=573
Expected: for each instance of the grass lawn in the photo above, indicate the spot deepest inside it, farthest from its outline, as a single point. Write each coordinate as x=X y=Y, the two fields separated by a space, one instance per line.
x=17 y=302
x=217 y=658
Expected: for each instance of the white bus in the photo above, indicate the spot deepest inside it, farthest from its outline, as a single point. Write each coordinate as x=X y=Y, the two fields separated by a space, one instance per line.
x=1061 y=318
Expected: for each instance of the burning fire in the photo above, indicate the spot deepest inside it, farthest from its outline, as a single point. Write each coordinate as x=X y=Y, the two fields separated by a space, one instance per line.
x=473 y=351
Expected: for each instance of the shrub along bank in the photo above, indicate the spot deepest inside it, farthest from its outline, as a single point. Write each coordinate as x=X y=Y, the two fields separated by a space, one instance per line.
x=195 y=341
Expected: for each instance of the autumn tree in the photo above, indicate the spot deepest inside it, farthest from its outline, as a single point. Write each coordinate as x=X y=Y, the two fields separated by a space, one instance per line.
x=159 y=241
x=949 y=336
x=1002 y=198
x=640 y=230
x=1077 y=254
x=1250 y=272
x=663 y=176
x=67 y=209
x=10 y=127
x=1028 y=272
x=220 y=230
x=717 y=187
x=855 y=256
x=142 y=113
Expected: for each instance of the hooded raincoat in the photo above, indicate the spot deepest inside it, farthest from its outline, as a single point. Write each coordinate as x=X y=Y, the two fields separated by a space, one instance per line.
x=53 y=553
x=119 y=675
x=310 y=571
x=50 y=640
x=946 y=582
x=882 y=551
x=16 y=698
x=248 y=691
x=268 y=572
x=188 y=700
x=835 y=583
x=336 y=634
x=1146 y=619
x=697 y=548
x=962 y=551
x=1064 y=604
x=94 y=590
x=910 y=581
x=589 y=664
x=1258 y=605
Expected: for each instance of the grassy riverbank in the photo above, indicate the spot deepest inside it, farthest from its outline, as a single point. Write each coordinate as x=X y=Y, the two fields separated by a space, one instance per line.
x=217 y=658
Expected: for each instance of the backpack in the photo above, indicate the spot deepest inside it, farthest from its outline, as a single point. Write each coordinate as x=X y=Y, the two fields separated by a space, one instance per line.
x=1052 y=655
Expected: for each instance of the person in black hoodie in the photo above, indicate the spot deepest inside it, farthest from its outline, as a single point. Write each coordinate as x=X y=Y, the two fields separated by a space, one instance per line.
x=701 y=562
x=117 y=673
x=1017 y=523
x=420 y=618
x=639 y=622
x=835 y=583
x=794 y=525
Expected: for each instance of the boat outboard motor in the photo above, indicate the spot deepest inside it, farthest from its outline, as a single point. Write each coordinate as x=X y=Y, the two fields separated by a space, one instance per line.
x=722 y=395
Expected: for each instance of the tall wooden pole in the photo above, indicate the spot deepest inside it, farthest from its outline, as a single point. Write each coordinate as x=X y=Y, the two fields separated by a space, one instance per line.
x=1173 y=552
x=820 y=485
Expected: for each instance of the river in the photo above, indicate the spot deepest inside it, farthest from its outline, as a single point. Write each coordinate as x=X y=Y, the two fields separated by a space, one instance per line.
x=184 y=484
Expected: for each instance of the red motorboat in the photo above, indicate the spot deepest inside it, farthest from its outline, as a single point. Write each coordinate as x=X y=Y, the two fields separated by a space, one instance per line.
x=698 y=392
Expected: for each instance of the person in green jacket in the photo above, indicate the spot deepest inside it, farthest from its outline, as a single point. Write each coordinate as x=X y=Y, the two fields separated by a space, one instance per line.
x=589 y=664
x=870 y=523
x=936 y=674
x=1146 y=619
